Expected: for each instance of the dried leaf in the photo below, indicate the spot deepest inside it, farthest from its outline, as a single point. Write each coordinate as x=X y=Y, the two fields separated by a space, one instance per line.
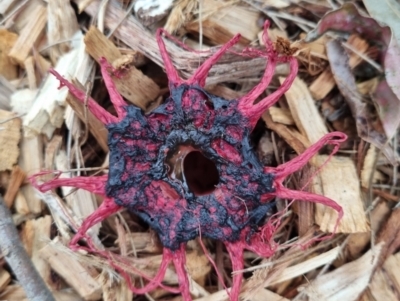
x=388 y=107
x=347 y=85
x=387 y=12
x=348 y=19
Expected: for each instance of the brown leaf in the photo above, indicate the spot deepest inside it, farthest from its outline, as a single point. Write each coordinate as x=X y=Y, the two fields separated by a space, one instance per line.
x=348 y=19
x=347 y=85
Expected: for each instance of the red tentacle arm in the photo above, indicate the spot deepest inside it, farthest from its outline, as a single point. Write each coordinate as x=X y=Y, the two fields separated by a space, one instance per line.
x=254 y=112
x=106 y=209
x=179 y=259
x=99 y=112
x=199 y=77
x=158 y=278
x=247 y=100
x=172 y=74
x=235 y=251
x=115 y=97
x=283 y=170
x=211 y=260
x=92 y=184
x=285 y=193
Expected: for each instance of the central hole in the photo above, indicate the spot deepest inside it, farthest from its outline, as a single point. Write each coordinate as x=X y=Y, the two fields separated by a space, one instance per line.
x=200 y=173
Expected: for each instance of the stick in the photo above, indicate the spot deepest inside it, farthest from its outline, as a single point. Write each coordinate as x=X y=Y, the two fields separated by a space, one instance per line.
x=17 y=258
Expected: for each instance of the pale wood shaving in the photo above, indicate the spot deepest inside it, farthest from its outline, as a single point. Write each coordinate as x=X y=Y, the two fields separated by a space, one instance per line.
x=5 y=279
x=346 y=282
x=304 y=111
x=368 y=167
x=62 y=25
x=7 y=40
x=338 y=180
x=72 y=271
x=133 y=85
x=38 y=237
x=219 y=22
x=47 y=111
x=31 y=161
x=385 y=284
x=16 y=179
x=81 y=202
x=29 y=35
x=10 y=134
x=281 y=116
x=306 y=266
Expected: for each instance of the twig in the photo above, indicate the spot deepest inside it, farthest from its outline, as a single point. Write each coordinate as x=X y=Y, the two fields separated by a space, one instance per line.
x=17 y=258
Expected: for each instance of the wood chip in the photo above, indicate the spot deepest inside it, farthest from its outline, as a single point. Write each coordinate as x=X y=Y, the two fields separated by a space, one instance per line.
x=281 y=115
x=325 y=82
x=29 y=35
x=385 y=285
x=61 y=26
x=82 y=202
x=304 y=112
x=72 y=271
x=347 y=282
x=14 y=292
x=21 y=205
x=5 y=5
x=17 y=178
x=5 y=279
x=306 y=266
x=31 y=161
x=143 y=242
x=390 y=234
x=96 y=127
x=6 y=90
x=338 y=180
x=21 y=100
x=293 y=138
x=10 y=134
x=7 y=68
x=336 y=174
x=368 y=167
x=47 y=111
x=35 y=236
x=29 y=65
x=133 y=85
x=132 y=33
x=261 y=295
x=219 y=23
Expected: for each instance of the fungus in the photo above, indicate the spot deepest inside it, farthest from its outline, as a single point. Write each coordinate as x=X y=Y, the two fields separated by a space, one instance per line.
x=188 y=168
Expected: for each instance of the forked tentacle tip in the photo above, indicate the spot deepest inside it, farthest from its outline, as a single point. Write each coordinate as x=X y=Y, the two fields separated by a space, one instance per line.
x=267 y=24
x=172 y=73
x=110 y=69
x=340 y=137
x=59 y=77
x=103 y=61
x=37 y=184
x=160 y=31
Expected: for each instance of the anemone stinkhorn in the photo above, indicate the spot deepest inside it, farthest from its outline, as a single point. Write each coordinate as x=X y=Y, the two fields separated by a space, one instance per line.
x=188 y=167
